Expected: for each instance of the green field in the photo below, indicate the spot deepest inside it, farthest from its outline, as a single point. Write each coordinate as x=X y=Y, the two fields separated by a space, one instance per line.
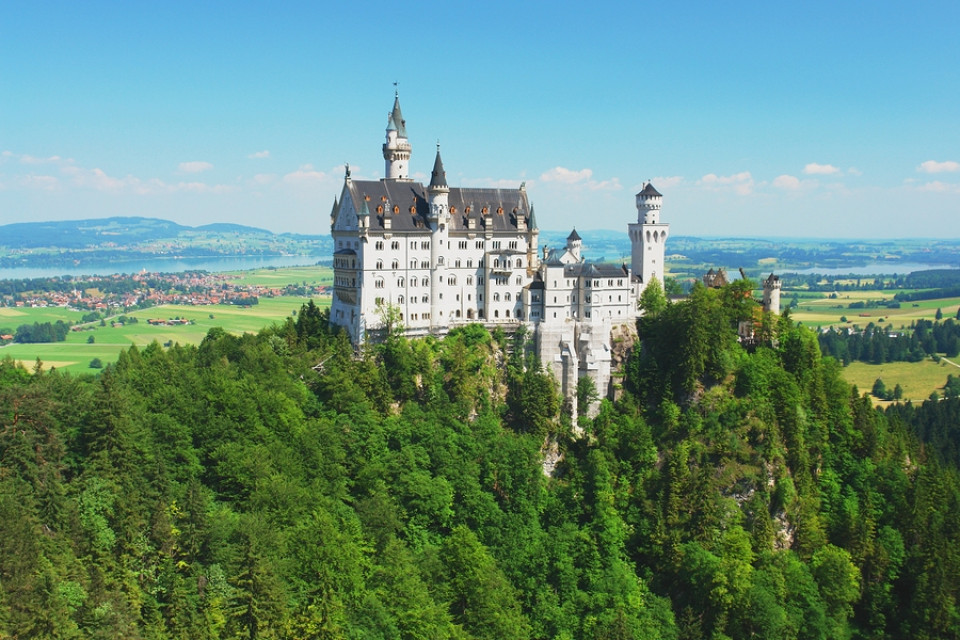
x=281 y=277
x=918 y=379
x=824 y=311
x=75 y=353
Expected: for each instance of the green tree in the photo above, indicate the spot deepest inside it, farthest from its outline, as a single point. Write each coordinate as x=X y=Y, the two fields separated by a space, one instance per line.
x=652 y=300
x=939 y=314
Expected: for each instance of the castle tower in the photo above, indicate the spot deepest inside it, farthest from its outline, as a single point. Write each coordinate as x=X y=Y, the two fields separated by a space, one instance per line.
x=396 y=150
x=648 y=237
x=574 y=245
x=437 y=198
x=771 y=294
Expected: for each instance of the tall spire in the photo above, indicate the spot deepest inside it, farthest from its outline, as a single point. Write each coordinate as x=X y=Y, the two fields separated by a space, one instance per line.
x=396 y=149
x=396 y=120
x=438 y=179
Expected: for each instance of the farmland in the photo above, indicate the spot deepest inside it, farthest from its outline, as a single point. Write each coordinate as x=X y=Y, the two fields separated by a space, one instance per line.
x=109 y=338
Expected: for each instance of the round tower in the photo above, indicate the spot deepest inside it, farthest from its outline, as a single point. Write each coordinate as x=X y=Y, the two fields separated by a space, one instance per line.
x=771 y=294
x=648 y=237
x=396 y=149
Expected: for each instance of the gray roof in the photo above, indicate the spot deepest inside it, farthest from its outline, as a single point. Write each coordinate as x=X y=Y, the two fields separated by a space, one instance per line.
x=439 y=177
x=406 y=204
x=648 y=190
x=396 y=121
x=574 y=235
x=595 y=270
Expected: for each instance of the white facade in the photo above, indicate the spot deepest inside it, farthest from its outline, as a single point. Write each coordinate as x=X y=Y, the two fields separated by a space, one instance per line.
x=442 y=256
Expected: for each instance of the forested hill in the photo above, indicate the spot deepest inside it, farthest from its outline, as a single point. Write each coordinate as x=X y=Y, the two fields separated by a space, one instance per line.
x=282 y=486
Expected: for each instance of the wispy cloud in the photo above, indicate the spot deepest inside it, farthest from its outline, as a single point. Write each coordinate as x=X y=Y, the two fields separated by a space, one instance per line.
x=741 y=183
x=580 y=179
x=939 y=187
x=666 y=182
x=259 y=154
x=45 y=183
x=98 y=180
x=305 y=175
x=195 y=166
x=787 y=182
x=932 y=166
x=817 y=169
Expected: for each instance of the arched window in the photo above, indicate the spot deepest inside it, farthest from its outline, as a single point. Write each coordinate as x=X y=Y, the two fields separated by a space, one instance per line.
x=452 y=281
x=506 y=296
x=425 y=282
x=379 y=264
x=496 y=297
x=399 y=299
x=395 y=264
x=399 y=282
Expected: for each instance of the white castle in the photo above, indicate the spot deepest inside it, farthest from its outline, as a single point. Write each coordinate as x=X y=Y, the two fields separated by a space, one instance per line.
x=436 y=257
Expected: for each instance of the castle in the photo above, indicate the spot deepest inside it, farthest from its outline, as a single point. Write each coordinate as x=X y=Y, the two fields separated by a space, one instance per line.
x=434 y=257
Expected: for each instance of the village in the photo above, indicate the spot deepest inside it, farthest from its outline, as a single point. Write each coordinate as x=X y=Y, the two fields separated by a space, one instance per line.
x=125 y=292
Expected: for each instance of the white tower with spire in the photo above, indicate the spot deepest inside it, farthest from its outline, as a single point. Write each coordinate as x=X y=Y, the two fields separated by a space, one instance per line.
x=438 y=194
x=648 y=237
x=396 y=149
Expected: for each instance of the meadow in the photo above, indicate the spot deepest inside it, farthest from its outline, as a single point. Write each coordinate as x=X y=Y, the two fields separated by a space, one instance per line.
x=76 y=353
x=918 y=379
x=822 y=310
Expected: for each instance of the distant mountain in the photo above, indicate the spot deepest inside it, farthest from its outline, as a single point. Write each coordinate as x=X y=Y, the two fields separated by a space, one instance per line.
x=123 y=231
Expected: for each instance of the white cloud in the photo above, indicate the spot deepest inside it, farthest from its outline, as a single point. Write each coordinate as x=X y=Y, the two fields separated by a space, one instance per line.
x=263 y=178
x=259 y=154
x=305 y=175
x=195 y=166
x=581 y=179
x=932 y=166
x=939 y=187
x=45 y=183
x=789 y=183
x=821 y=169
x=504 y=183
x=853 y=171
x=666 y=182
x=742 y=183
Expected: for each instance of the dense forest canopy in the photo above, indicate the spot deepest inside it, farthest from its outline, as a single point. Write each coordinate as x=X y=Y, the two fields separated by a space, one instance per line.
x=284 y=485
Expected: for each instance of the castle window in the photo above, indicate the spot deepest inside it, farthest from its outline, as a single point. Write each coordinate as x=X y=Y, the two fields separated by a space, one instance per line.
x=496 y=244
x=399 y=282
x=379 y=264
x=425 y=299
x=496 y=313
x=452 y=281
x=513 y=244
x=506 y=296
x=424 y=264
x=467 y=209
x=379 y=208
x=480 y=280
x=453 y=209
x=413 y=264
x=456 y=263
x=469 y=264
x=383 y=198
x=378 y=283
x=469 y=280
x=379 y=245
x=399 y=299
x=395 y=264
x=413 y=245
x=367 y=198
x=484 y=211
x=395 y=245
x=440 y=260
x=479 y=297
x=479 y=244
x=500 y=211
x=463 y=244
x=425 y=282
x=519 y=280
x=396 y=209
x=496 y=297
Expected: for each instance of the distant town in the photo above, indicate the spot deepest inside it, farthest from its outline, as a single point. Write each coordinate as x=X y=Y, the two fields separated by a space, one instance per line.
x=122 y=293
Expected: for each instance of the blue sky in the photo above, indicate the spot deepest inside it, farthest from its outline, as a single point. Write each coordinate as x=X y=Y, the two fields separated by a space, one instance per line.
x=814 y=119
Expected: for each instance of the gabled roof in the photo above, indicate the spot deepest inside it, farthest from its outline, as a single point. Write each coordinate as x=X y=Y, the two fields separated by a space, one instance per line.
x=574 y=236
x=407 y=206
x=648 y=190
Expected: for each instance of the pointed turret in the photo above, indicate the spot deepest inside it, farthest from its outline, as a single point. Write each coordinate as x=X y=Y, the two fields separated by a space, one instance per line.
x=396 y=150
x=438 y=179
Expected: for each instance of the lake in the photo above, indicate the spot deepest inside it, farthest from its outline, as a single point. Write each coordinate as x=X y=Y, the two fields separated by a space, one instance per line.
x=161 y=265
